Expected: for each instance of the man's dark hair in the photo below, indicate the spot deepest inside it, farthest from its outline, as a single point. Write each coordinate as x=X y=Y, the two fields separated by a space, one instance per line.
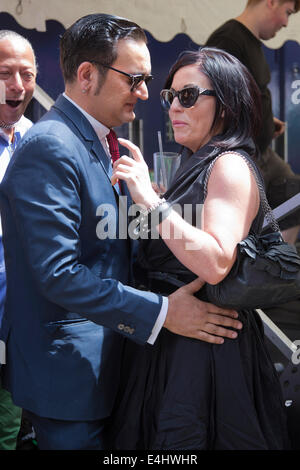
x=95 y=37
x=296 y=3
x=238 y=101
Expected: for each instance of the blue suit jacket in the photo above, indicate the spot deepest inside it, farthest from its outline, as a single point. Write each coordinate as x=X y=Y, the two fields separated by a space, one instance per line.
x=68 y=305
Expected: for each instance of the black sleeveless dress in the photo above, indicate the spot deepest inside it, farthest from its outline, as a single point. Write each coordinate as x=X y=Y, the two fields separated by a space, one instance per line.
x=183 y=393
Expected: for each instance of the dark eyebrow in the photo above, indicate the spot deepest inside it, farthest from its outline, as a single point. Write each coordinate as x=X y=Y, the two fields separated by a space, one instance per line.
x=189 y=85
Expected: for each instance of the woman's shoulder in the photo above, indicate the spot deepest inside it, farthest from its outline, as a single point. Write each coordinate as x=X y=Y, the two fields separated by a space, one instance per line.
x=232 y=165
x=237 y=156
x=231 y=169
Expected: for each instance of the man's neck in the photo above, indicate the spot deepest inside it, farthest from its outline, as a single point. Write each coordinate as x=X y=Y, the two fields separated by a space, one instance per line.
x=249 y=19
x=76 y=96
x=10 y=132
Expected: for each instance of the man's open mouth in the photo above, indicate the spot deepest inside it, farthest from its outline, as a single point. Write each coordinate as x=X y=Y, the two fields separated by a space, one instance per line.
x=13 y=103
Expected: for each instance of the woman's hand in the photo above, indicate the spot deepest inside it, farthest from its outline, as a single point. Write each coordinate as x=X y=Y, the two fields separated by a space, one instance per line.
x=134 y=171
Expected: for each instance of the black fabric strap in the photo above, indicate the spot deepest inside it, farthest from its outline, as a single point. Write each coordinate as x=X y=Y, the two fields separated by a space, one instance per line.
x=263 y=198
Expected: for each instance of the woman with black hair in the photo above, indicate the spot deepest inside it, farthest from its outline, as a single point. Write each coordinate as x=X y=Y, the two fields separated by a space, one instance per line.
x=184 y=393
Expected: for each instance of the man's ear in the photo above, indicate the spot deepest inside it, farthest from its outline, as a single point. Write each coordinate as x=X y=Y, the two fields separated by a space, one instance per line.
x=271 y=3
x=85 y=75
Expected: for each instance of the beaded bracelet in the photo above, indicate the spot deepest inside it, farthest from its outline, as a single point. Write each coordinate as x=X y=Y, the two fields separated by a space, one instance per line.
x=159 y=211
x=153 y=207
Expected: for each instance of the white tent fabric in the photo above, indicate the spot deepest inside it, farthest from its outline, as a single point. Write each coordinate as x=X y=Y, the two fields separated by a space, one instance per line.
x=163 y=19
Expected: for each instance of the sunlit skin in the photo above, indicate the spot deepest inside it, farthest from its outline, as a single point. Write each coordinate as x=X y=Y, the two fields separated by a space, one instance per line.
x=112 y=103
x=18 y=72
x=193 y=126
x=265 y=18
x=279 y=18
x=117 y=101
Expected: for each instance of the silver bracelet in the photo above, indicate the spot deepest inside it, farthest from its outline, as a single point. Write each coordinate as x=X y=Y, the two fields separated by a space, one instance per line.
x=159 y=211
x=146 y=212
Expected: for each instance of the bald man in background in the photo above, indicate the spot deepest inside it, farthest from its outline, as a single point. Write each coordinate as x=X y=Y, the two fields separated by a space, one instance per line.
x=17 y=82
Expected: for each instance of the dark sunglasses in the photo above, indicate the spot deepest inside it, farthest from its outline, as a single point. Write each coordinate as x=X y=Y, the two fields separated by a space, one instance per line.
x=187 y=96
x=136 y=80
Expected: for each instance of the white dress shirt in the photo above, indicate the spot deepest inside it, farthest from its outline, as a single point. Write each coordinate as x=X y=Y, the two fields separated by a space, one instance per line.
x=8 y=146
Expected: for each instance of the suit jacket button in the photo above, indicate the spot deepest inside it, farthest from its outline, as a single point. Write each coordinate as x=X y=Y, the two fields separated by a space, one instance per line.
x=121 y=326
x=129 y=330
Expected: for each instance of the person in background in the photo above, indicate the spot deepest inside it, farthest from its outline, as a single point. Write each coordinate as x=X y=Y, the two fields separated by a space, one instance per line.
x=17 y=81
x=74 y=307
x=242 y=37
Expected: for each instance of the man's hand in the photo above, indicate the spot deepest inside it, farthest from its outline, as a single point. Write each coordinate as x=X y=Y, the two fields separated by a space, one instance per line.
x=189 y=316
x=279 y=127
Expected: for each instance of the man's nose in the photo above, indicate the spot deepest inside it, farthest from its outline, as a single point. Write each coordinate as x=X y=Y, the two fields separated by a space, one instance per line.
x=142 y=91
x=16 y=82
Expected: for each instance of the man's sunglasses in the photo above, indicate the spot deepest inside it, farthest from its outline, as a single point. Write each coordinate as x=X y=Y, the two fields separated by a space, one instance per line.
x=136 y=80
x=187 y=96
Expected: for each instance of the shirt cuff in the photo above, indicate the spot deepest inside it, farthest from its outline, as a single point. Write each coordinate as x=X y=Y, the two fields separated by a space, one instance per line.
x=159 y=321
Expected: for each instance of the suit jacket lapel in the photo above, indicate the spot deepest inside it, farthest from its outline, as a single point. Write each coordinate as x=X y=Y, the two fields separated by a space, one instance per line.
x=84 y=128
x=92 y=142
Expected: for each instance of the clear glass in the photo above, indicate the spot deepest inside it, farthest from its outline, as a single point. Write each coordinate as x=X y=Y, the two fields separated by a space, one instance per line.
x=165 y=166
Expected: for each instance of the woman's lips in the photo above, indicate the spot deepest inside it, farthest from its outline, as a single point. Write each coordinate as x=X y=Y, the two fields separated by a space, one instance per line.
x=178 y=123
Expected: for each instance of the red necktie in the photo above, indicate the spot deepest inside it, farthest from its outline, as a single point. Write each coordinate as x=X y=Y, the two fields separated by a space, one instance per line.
x=113 y=145
x=113 y=148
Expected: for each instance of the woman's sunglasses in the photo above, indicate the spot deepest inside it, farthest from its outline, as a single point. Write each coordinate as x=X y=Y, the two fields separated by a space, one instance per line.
x=187 y=96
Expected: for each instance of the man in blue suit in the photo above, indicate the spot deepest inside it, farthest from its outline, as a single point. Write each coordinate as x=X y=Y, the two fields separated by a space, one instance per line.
x=69 y=301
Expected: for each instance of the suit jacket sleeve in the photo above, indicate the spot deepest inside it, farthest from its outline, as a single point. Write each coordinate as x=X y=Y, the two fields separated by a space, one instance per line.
x=42 y=191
